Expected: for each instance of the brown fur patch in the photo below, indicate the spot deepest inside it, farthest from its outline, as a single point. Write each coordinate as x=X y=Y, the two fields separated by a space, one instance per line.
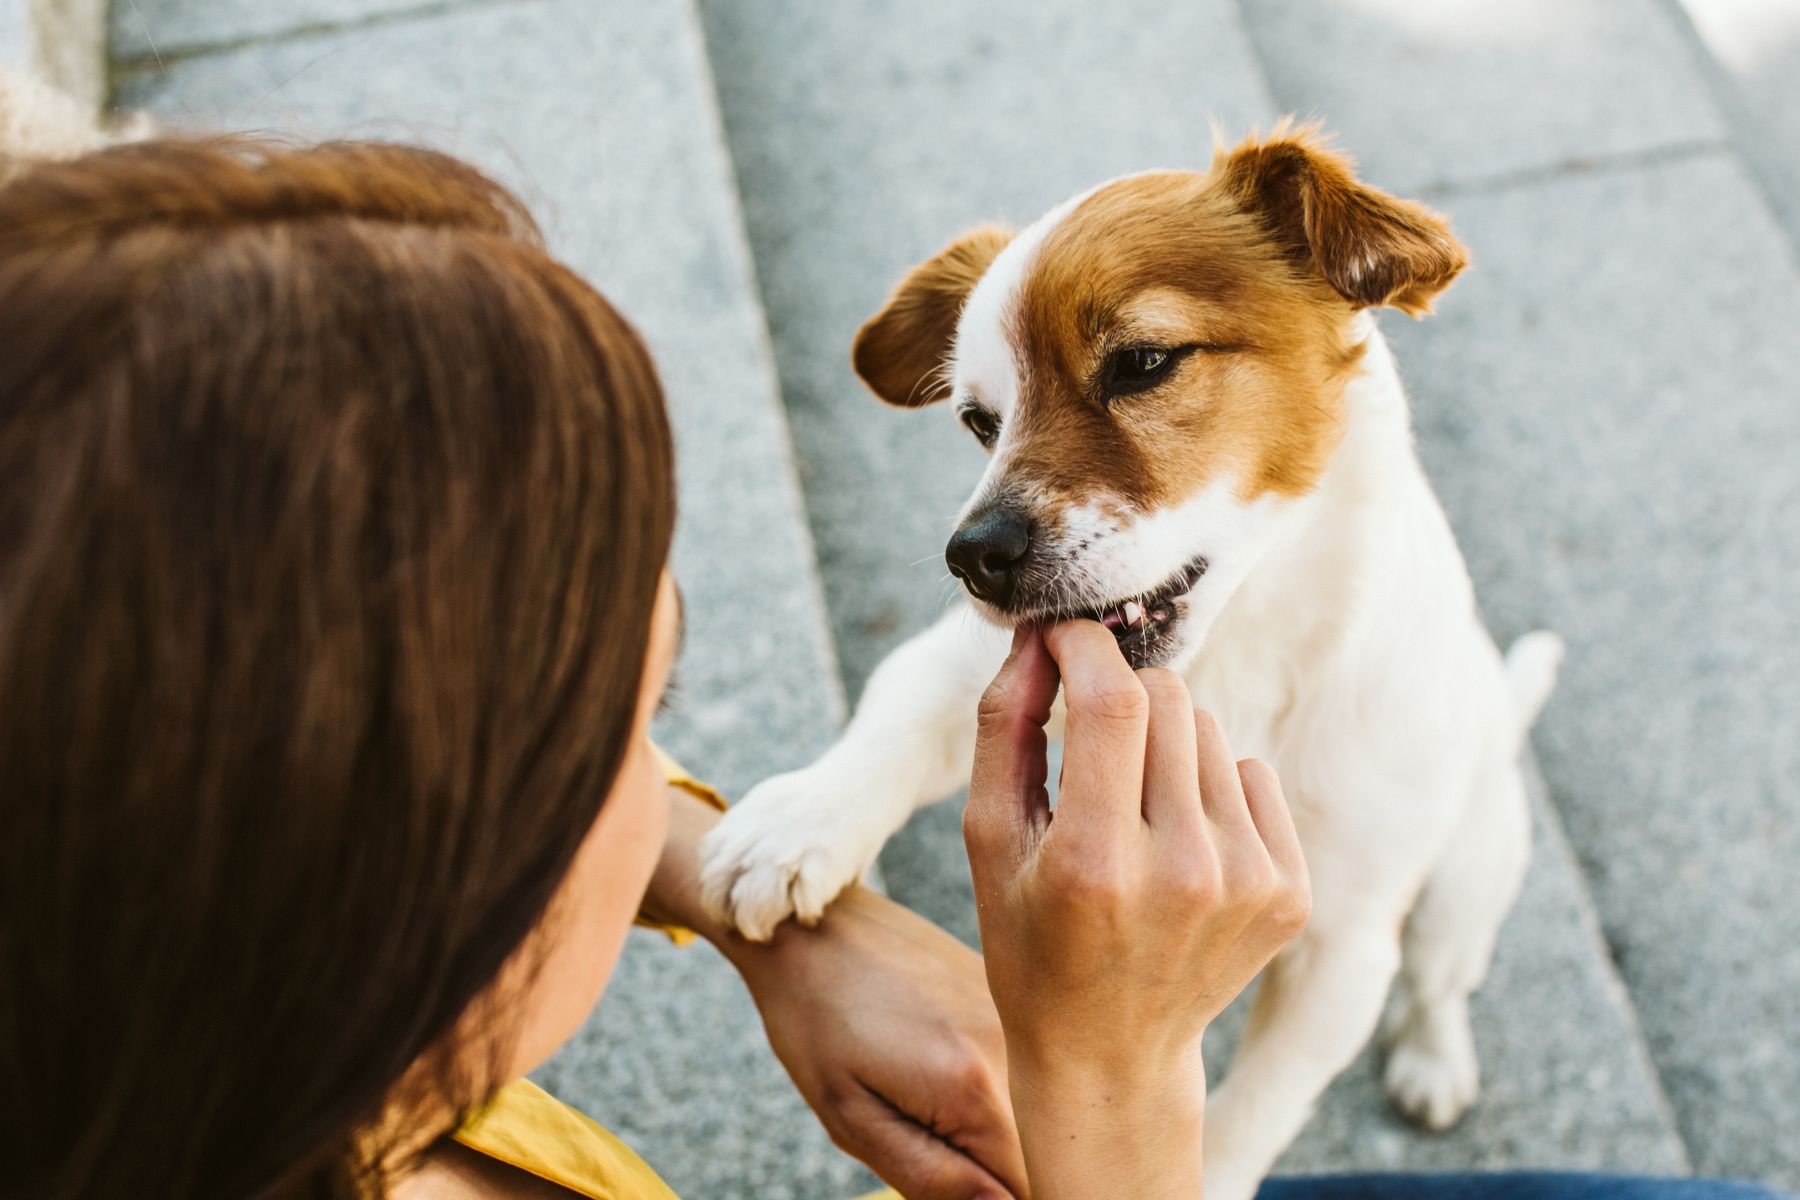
x=900 y=351
x=1374 y=249
x=1250 y=263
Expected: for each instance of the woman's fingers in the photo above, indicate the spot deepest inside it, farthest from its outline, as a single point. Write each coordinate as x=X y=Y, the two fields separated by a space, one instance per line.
x=1171 y=758
x=1007 y=804
x=907 y=1155
x=1253 y=877
x=1108 y=719
x=1221 y=791
x=1274 y=822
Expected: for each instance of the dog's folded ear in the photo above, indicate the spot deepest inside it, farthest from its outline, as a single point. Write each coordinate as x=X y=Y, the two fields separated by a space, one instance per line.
x=901 y=350
x=1372 y=248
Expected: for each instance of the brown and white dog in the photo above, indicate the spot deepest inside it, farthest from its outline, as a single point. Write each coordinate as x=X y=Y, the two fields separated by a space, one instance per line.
x=1198 y=437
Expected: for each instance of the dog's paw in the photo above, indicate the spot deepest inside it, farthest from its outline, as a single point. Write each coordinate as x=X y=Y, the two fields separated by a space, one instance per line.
x=1432 y=1076
x=787 y=849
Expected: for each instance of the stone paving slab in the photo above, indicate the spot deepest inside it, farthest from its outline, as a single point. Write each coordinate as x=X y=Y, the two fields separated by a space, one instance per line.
x=1429 y=93
x=1607 y=405
x=862 y=143
x=1751 y=49
x=604 y=120
x=15 y=34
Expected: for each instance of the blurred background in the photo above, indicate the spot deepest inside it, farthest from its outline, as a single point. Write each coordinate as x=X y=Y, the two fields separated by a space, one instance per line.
x=1608 y=403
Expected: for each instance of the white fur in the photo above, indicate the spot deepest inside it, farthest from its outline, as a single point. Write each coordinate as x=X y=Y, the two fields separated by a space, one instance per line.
x=1335 y=637
x=37 y=121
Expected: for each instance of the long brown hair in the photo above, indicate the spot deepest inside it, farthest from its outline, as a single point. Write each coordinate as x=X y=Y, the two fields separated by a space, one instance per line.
x=332 y=511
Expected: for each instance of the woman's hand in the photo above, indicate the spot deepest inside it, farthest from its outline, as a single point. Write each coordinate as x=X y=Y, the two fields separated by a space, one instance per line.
x=884 y=1022
x=1116 y=929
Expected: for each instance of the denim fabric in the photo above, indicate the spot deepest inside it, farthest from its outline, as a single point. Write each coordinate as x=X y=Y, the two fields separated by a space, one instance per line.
x=1507 y=1186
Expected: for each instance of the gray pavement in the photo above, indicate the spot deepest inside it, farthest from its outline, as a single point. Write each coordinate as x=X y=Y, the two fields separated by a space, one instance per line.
x=1606 y=403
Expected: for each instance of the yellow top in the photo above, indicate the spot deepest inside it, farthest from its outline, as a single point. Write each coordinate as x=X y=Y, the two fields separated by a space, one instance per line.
x=526 y=1127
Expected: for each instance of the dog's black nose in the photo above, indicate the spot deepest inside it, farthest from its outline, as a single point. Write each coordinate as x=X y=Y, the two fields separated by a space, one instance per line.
x=988 y=550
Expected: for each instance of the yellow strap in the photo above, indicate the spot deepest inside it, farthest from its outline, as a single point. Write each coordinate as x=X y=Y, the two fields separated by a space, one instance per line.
x=678 y=776
x=526 y=1127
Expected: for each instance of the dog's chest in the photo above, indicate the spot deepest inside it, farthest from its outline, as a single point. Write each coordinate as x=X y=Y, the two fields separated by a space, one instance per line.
x=1265 y=662
x=1253 y=691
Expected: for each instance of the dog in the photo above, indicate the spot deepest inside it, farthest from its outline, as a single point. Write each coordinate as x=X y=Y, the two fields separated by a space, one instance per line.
x=1198 y=437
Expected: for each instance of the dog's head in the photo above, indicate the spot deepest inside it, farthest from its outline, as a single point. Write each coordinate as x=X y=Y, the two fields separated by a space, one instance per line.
x=1157 y=370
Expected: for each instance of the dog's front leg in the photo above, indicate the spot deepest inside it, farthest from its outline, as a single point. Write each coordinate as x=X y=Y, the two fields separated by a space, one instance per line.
x=1319 y=1002
x=799 y=839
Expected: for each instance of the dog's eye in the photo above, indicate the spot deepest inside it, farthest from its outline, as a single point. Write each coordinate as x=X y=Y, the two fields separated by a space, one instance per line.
x=983 y=424
x=1136 y=368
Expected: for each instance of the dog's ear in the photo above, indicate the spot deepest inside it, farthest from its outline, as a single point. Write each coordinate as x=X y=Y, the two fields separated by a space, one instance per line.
x=900 y=350
x=1372 y=248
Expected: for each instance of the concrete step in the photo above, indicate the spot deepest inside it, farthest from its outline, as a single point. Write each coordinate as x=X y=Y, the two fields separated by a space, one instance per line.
x=1607 y=405
x=1750 y=51
x=864 y=139
x=603 y=117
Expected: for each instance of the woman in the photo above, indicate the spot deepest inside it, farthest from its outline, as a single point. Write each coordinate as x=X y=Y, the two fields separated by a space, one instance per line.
x=334 y=609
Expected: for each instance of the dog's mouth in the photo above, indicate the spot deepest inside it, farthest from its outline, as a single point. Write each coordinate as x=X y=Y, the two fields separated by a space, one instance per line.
x=1144 y=624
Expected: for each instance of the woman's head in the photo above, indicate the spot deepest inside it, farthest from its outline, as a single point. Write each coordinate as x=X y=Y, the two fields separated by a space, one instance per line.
x=332 y=518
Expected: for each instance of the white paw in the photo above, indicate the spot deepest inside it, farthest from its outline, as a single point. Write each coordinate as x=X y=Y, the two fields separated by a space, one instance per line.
x=1432 y=1077
x=787 y=849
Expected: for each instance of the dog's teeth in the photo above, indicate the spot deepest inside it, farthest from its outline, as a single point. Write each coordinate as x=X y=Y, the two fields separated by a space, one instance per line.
x=1134 y=613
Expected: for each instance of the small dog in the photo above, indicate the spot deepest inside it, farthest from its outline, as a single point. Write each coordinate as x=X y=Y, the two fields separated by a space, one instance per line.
x=1198 y=438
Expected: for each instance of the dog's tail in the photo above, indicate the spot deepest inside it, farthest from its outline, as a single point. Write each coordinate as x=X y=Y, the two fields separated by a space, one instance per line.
x=1531 y=664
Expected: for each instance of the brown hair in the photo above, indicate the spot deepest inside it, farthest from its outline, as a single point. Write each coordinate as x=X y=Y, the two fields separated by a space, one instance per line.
x=332 y=512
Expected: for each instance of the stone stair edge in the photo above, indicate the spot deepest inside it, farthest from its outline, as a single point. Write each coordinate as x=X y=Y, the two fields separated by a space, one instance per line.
x=720 y=147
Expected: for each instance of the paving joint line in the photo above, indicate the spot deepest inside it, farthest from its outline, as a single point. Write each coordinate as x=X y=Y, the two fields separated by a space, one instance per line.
x=1604 y=164
x=126 y=68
